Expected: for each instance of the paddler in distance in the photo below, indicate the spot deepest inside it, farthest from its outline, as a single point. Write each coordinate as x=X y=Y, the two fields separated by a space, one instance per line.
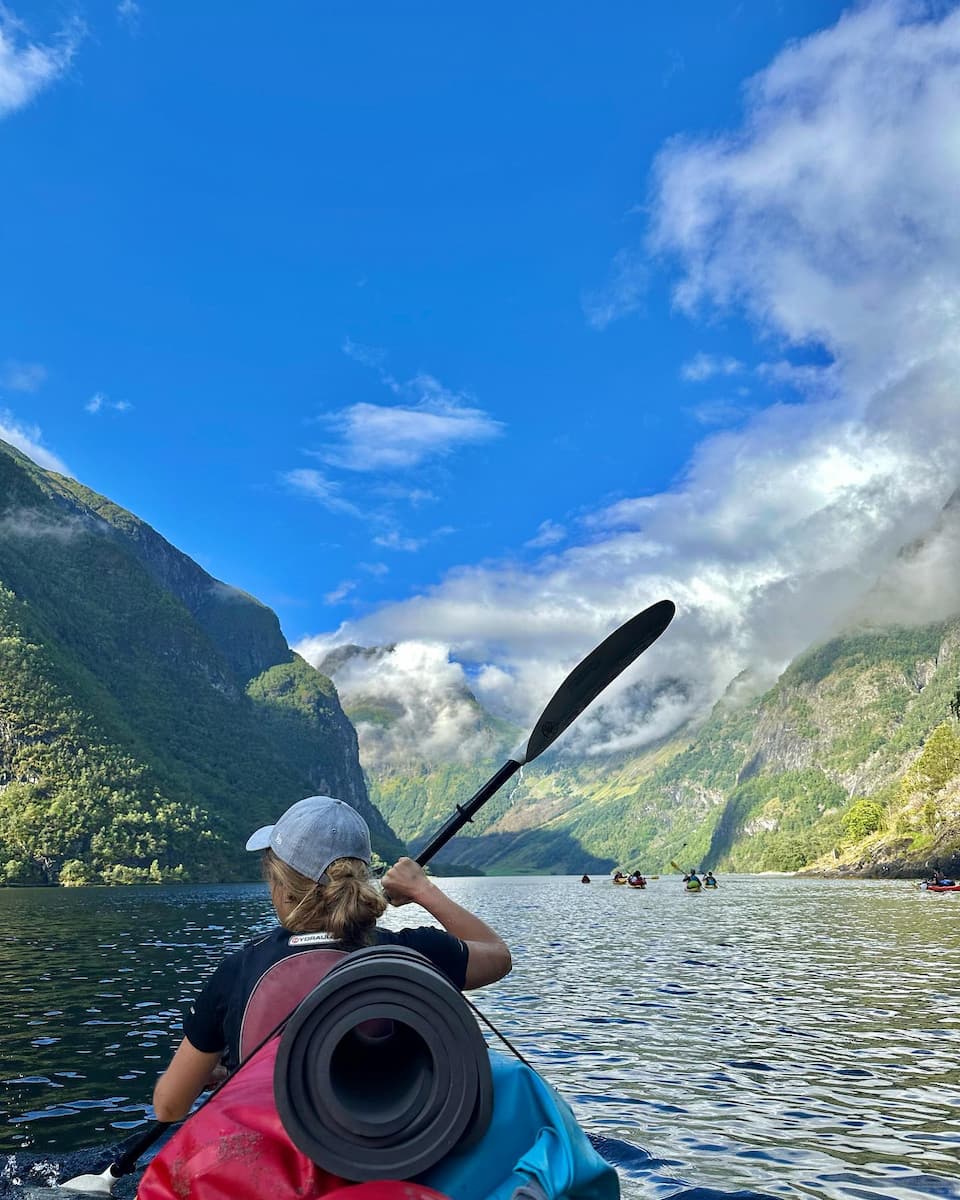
x=316 y=863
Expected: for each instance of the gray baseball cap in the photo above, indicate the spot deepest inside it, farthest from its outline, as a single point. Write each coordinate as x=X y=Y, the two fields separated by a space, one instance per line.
x=313 y=833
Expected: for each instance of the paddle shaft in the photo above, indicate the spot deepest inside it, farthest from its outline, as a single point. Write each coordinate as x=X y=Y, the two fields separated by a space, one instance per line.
x=129 y=1158
x=465 y=812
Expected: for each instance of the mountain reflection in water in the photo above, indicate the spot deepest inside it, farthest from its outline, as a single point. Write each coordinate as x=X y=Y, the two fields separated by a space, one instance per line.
x=783 y=1037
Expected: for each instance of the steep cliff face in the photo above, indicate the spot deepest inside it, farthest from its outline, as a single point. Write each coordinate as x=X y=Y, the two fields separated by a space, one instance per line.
x=246 y=632
x=150 y=716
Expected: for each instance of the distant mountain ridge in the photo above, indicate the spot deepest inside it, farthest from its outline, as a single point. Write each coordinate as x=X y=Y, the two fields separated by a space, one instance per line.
x=850 y=763
x=150 y=715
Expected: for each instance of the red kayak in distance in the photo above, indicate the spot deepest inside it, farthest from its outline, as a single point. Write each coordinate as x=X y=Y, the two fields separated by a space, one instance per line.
x=940 y=887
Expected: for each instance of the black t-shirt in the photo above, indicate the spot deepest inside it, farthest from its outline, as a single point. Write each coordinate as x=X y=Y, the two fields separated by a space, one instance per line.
x=213 y=1021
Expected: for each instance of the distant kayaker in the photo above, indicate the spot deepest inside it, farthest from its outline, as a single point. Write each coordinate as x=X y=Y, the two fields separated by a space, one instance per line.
x=585 y=879
x=692 y=881
x=316 y=863
x=619 y=877
x=709 y=880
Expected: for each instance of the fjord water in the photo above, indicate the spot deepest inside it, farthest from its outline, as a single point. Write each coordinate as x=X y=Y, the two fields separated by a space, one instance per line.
x=781 y=1036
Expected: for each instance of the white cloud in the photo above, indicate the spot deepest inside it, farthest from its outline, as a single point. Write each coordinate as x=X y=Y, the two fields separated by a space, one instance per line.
x=623 y=293
x=22 y=376
x=100 y=401
x=428 y=422
x=830 y=217
x=340 y=592
x=432 y=423
x=376 y=437
x=397 y=541
x=367 y=356
x=30 y=524
x=128 y=13
x=414 y=496
x=27 y=440
x=317 y=486
x=433 y=715
x=226 y=593
x=28 y=67
x=719 y=412
x=549 y=533
x=705 y=366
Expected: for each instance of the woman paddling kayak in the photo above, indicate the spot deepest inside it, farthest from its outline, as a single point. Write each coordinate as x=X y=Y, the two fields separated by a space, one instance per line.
x=316 y=860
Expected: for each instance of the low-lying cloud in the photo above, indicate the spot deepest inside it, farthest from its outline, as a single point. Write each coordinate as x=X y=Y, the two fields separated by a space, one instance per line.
x=830 y=218
x=432 y=716
x=29 y=524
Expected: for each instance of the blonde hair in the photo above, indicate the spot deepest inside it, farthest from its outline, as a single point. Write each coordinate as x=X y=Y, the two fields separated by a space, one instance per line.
x=346 y=906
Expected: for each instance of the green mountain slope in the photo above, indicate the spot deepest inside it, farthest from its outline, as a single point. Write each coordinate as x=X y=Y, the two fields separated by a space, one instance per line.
x=150 y=716
x=851 y=762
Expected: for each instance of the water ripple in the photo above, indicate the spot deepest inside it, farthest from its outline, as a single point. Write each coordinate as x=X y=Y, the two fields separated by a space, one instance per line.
x=777 y=1038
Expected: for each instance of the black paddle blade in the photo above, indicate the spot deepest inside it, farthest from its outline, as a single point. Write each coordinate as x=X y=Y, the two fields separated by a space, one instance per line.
x=588 y=679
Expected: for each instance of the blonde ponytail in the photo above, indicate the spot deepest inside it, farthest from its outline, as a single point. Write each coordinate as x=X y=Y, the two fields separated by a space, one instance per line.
x=346 y=906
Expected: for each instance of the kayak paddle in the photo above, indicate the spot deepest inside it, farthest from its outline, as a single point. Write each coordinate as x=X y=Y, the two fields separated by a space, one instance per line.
x=127 y=1154
x=580 y=688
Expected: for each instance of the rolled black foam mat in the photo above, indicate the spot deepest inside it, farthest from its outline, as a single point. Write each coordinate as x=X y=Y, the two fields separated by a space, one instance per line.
x=382 y=1070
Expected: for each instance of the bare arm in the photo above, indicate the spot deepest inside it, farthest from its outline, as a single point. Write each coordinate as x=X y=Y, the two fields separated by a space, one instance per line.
x=488 y=958
x=183 y=1081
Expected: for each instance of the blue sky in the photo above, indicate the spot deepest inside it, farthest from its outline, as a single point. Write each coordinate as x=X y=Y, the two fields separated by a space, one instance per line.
x=480 y=327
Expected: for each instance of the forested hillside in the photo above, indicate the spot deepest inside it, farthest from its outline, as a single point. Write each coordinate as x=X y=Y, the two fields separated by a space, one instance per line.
x=150 y=716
